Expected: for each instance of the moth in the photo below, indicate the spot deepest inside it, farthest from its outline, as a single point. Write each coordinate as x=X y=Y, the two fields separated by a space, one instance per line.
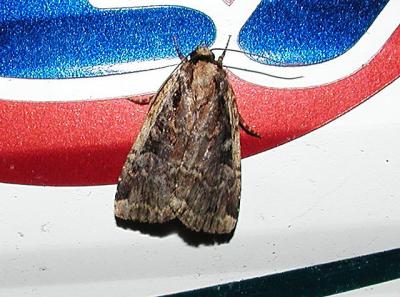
x=185 y=163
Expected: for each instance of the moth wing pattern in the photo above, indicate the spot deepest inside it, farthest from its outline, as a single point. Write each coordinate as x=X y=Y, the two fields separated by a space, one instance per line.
x=137 y=197
x=212 y=204
x=185 y=163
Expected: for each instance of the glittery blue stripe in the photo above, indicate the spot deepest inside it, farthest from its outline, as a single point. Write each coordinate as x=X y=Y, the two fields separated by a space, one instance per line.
x=307 y=31
x=61 y=38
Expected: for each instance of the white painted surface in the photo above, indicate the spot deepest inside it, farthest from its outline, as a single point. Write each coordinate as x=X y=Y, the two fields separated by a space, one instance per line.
x=329 y=195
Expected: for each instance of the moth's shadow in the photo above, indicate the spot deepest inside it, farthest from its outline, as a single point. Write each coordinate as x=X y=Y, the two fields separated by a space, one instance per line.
x=175 y=227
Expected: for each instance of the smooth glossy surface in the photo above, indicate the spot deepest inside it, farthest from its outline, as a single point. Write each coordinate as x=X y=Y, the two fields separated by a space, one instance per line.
x=61 y=39
x=330 y=195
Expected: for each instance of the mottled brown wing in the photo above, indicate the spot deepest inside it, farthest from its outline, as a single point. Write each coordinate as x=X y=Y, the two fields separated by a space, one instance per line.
x=211 y=166
x=145 y=187
x=186 y=161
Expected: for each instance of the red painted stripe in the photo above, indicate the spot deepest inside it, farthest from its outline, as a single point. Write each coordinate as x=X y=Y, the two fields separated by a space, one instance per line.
x=85 y=143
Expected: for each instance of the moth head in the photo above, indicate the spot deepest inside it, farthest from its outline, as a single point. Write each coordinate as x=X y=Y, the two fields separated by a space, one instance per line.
x=202 y=53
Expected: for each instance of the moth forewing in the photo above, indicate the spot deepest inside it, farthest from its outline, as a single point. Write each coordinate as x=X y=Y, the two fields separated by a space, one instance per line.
x=185 y=163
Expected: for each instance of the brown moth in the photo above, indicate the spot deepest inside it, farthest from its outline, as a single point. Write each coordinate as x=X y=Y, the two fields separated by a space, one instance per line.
x=185 y=163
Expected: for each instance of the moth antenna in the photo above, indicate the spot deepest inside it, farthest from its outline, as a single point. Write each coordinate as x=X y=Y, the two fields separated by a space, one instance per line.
x=263 y=73
x=224 y=52
x=137 y=71
x=256 y=55
x=178 y=51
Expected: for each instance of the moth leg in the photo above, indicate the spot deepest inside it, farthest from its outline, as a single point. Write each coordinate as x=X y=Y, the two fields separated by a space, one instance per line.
x=142 y=100
x=247 y=128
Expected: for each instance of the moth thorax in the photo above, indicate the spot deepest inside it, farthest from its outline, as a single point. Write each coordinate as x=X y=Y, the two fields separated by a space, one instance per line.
x=202 y=53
